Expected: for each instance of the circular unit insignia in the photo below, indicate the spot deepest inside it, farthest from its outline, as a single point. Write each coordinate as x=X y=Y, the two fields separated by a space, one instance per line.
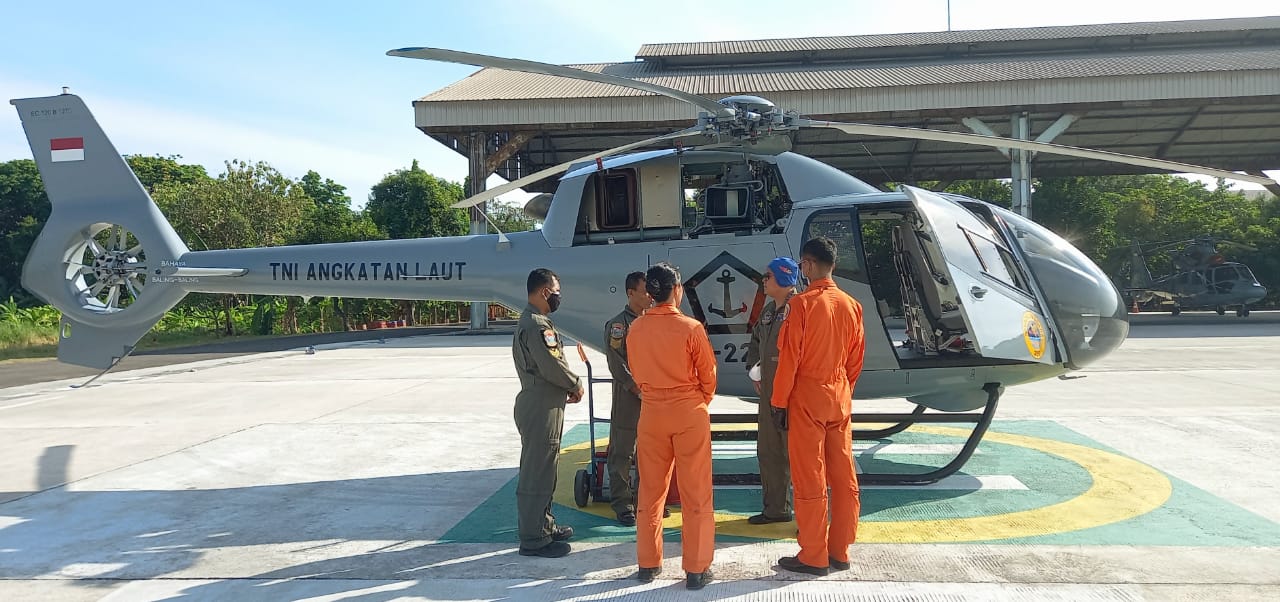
x=1033 y=333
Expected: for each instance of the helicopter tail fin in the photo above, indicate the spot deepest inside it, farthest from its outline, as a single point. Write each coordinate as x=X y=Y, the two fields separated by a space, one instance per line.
x=1139 y=275
x=106 y=255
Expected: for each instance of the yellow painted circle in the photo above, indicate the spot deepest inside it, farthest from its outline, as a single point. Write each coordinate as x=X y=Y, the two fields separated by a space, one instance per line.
x=1122 y=489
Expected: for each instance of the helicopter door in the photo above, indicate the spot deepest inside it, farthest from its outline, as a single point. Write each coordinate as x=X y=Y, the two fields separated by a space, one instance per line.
x=723 y=289
x=1001 y=315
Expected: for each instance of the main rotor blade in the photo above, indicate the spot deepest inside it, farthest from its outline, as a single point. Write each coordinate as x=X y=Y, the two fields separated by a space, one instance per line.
x=893 y=131
x=497 y=62
x=551 y=171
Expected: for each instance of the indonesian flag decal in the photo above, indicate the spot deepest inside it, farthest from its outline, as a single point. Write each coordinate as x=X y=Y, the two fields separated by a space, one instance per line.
x=67 y=149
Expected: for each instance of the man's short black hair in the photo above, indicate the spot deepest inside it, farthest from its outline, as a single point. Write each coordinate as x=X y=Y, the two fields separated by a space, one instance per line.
x=820 y=249
x=541 y=277
x=635 y=280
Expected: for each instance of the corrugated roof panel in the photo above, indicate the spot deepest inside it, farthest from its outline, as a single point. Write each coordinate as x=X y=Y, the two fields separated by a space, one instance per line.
x=865 y=100
x=496 y=84
x=952 y=37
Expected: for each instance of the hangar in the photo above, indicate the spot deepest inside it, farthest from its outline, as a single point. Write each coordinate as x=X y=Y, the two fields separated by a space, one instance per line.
x=1203 y=92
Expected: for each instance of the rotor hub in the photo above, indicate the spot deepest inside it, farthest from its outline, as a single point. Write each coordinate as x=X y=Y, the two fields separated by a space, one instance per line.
x=114 y=266
x=109 y=273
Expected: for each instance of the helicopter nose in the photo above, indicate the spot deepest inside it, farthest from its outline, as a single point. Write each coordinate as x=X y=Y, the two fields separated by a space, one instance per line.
x=1257 y=293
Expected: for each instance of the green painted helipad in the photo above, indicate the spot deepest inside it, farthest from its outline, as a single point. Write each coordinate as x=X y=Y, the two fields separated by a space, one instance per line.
x=1029 y=482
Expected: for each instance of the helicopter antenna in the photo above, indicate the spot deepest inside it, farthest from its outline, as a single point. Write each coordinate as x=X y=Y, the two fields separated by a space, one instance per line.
x=502 y=238
x=884 y=171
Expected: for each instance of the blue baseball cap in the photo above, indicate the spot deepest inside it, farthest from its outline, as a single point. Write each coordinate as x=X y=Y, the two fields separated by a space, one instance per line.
x=785 y=271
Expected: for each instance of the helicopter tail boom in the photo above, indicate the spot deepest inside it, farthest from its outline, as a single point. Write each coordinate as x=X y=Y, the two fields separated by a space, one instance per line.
x=103 y=255
x=1139 y=276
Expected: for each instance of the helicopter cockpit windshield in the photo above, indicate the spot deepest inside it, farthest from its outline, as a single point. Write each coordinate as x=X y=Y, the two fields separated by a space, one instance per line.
x=1088 y=309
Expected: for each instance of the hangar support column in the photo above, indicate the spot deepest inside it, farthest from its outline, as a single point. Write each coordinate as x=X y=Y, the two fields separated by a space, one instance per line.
x=476 y=171
x=1020 y=160
x=1020 y=164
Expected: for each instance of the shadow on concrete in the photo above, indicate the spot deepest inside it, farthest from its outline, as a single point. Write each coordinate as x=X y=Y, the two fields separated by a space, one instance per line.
x=98 y=537
x=14 y=373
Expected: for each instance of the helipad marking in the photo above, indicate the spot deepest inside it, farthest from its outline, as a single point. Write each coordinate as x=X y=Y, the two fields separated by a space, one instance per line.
x=1109 y=499
x=1052 y=481
x=955 y=482
x=915 y=449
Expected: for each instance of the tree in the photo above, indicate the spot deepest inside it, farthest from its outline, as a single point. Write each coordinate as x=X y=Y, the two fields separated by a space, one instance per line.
x=1081 y=210
x=412 y=203
x=326 y=192
x=997 y=192
x=251 y=205
x=24 y=208
x=330 y=219
x=157 y=170
x=509 y=218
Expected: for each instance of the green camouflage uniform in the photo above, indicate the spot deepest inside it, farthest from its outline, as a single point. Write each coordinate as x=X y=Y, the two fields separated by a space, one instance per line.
x=771 y=446
x=545 y=384
x=624 y=416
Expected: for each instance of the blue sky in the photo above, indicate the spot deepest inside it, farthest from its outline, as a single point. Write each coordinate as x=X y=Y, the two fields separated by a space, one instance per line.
x=307 y=85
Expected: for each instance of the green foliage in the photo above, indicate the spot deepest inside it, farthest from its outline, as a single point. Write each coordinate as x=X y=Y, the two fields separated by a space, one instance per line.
x=509 y=218
x=157 y=170
x=24 y=207
x=331 y=219
x=1081 y=210
x=324 y=192
x=250 y=205
x=40 y=315
x=412 y=203
x=1103 y=215
x=997 y=192
x=264 y=317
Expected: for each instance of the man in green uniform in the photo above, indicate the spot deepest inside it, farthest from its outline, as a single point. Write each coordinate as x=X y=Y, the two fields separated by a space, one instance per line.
x=546 y=385
x=771 y=446
x=625 y=414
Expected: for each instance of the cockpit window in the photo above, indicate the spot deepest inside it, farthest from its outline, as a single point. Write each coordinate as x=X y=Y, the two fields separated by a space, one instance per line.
x=840 y=226
x=1085 y=305
x=996 y=260
x=616 y=194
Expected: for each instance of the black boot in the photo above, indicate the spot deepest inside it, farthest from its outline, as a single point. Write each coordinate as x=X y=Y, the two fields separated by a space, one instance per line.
x=698 y=580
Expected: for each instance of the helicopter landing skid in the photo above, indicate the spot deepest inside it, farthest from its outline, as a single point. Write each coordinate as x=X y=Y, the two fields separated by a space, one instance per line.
x=901 y=422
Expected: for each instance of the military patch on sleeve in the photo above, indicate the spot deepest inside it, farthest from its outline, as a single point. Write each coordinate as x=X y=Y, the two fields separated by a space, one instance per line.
x=616 y=332
x=549 y=337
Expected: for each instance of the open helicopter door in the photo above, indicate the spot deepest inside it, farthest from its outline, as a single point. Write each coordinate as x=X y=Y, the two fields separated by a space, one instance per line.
x=994 y=299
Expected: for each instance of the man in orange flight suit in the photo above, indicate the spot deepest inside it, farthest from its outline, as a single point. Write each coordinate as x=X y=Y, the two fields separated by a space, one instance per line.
x=674 y=368
x=820 y=358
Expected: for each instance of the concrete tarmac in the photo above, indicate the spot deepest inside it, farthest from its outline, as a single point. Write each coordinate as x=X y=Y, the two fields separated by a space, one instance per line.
x=381 y=470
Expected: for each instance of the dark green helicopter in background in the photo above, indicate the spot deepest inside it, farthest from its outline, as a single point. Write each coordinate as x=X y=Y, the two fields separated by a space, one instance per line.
x=1202 y=278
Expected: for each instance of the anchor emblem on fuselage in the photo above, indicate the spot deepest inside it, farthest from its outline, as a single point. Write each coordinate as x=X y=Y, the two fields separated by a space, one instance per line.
x=727 y=312
x=731 y=271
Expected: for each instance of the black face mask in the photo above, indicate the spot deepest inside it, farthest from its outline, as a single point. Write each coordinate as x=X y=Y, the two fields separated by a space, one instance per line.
x=553 y=302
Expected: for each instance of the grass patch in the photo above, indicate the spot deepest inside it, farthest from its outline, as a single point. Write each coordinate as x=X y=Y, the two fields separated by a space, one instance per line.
x=19 y=340
x=26 y=341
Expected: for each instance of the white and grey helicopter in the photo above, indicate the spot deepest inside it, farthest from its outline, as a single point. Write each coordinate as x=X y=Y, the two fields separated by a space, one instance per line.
x=990 y=298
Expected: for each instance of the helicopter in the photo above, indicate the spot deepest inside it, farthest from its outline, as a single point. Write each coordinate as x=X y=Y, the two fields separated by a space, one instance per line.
x=991 y=299
x=1201 y=278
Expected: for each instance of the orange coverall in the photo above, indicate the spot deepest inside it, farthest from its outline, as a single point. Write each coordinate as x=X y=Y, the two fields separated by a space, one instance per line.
x=671 y=361
x=820 y=357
